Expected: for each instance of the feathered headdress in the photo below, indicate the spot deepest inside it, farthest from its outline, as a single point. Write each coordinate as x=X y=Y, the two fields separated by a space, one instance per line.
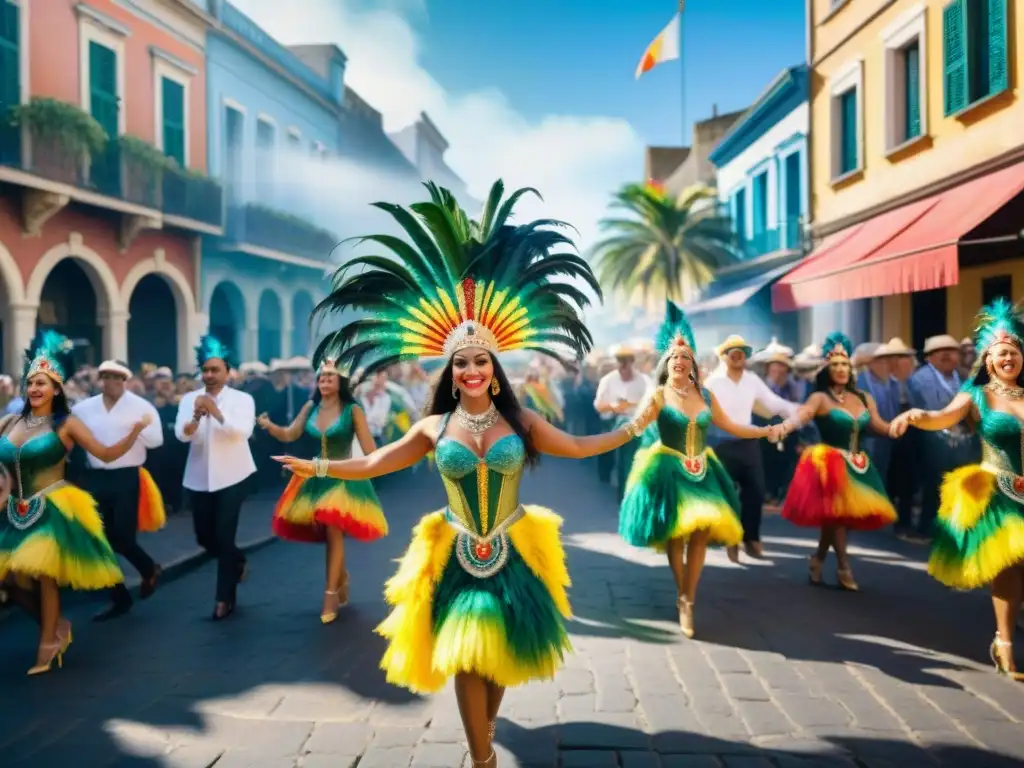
x=49 y=354
x=211 y=347
x=998 y=322
x=675 y=331
x=837 y=345
x=460 y=283
x=328 y=364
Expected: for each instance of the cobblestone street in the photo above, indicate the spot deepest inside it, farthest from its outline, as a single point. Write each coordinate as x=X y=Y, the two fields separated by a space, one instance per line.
x=780 y=674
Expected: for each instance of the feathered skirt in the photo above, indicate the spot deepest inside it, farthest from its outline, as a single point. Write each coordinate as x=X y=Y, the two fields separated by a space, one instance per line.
x=670 y=496
x=831 y=487
x=58 y=534
x=310 y=505
x=152 y=515
x=979 y=531
x=507 y=627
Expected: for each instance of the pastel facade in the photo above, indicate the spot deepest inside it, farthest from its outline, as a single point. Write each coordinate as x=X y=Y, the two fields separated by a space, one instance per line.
x=101 y=241
x=917 y=165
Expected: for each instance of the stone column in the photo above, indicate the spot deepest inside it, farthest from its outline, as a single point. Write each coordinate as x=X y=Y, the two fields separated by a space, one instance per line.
x=250 y=345
x=115 y=335
x=19 y=332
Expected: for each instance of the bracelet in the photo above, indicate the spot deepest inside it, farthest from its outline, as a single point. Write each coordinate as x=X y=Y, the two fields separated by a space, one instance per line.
x=632 y=430
x=320 y=467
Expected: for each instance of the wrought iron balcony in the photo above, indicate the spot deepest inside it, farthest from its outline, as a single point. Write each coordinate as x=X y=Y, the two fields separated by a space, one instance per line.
x=264 y=227
x=112 y=176
x=787 y=237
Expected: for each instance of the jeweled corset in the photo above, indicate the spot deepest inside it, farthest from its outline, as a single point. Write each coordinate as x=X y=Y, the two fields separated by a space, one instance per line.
x=36 y=457
x=682 y=433
x=336 y=440
x=483 y=493
x=840 y=429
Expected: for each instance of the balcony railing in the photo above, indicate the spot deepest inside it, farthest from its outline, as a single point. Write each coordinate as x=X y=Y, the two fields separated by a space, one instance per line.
x=787 y=237
x=275 y=230
x=113 y=172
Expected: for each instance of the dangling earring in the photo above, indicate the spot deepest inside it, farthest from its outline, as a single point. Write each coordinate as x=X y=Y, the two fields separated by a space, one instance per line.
x=495 y=386
x=693 y=378
x=455 y=390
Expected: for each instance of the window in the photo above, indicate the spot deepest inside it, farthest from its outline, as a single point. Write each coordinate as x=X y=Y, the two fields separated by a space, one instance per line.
x=103 y=101
x=996 y=287
x=911 y=56
x=101 y=65
x=793 y=199
x=172 y=96
x=265 y=136
x=10 y=78
x=234 y=121
x=905 y=82
x=848 y=132
x=294 y=139
x=974 y=52
x=847 y=120
x=759 y=194
x=739 y=209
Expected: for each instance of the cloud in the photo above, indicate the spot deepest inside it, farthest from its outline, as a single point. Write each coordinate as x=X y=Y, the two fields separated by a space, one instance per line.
x=575 y=161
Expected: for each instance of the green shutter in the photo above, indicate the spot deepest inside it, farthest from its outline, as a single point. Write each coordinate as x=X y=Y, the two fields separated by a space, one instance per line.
x=173 y=95
x=848 y=127
x=10 y=59
x=954 y=52
x=103 y=101
x=998 y=64
x=912 y=87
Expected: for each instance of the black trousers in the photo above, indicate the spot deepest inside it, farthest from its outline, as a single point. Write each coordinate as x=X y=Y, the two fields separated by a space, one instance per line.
x=904 y=478
x=117 y=496
x=215 y=518
x=743 y=461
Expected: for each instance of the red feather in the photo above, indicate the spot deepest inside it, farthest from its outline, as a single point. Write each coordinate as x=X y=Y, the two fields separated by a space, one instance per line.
x=469 y=293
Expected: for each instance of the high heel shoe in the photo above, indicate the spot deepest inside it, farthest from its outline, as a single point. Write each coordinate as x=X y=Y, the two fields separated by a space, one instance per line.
x=845 y=578
x=685 y=616
x=1001 y=666
x=329 y=616
x=814 y=571
x=66 y=638
x=56 y=654
x=343 y=591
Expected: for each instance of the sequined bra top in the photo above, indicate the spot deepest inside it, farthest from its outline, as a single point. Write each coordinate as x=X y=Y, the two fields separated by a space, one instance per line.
x=483 y=493
x=682 y=433
x=1002 y=438
x=32 y=462
x=336 y=440
x=839 y=429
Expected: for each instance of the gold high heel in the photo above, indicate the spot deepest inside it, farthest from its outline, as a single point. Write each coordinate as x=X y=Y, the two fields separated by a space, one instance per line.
x=1001 y=666
x=65 y=641
x=845 y=578
x=685 y=616
x=57 y=655
x=330 y=616
x=814 y=571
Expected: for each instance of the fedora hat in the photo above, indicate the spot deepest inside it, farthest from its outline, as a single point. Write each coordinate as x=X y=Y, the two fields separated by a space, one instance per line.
x=895 y=348
x=115 y=367
x=774 y=353
x=809 y=358
x=865 y=352
x=735 y=341
x=938 y=343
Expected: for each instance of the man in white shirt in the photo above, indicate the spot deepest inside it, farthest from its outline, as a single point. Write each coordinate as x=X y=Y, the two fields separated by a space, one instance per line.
x=118 y=485
x=618 y=395
x=738 y=391
x=217 y=423
x=377 y=403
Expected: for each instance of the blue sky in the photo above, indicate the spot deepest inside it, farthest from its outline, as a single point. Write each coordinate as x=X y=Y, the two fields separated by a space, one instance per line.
x=579 y=56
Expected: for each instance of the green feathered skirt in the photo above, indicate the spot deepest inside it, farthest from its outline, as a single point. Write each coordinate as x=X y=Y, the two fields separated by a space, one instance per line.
x=669 y=496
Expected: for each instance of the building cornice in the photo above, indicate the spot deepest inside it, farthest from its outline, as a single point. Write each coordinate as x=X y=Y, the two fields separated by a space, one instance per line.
x=784 y=94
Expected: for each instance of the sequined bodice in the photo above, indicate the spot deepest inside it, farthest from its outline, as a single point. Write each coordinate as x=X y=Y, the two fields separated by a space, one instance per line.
x=1002 y=442
x=483 y=493
x=336 y=440
x=683 y=433
x=34 y=460
x=840 y=429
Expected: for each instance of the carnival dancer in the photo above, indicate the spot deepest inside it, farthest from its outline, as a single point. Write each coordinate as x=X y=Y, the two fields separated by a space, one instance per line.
x=325 y=509
x=979 y=532
x=52 y=535
x=679 y=496
x=481 y=591
x=217 y=423
x=738 y=391
x=126 y=494
x=836 y=487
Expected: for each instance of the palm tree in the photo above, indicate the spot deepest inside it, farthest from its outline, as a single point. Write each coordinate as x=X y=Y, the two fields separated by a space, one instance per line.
x=665 y=247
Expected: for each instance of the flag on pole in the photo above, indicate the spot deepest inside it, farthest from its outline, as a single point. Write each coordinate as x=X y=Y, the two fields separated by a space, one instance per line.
x=665 y=47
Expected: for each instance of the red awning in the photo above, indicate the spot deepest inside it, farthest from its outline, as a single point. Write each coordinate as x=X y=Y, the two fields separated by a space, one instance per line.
x=911 y=248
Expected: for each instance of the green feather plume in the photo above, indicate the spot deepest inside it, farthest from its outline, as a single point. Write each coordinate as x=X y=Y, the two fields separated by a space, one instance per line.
x=675 y=324
x=211 y=347
x=49 y=349
x=834 y=339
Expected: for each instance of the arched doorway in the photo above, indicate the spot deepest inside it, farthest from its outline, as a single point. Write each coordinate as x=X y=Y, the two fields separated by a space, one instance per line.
x=68 y=304
x=227 y=316
x=269 y=326
x=302 y=308
x=152 y=324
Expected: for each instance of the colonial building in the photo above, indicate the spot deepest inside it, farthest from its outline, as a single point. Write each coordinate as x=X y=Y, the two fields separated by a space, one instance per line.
x=274 y=123
x=761 y=168
x=917 y=166
x=103 y=194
